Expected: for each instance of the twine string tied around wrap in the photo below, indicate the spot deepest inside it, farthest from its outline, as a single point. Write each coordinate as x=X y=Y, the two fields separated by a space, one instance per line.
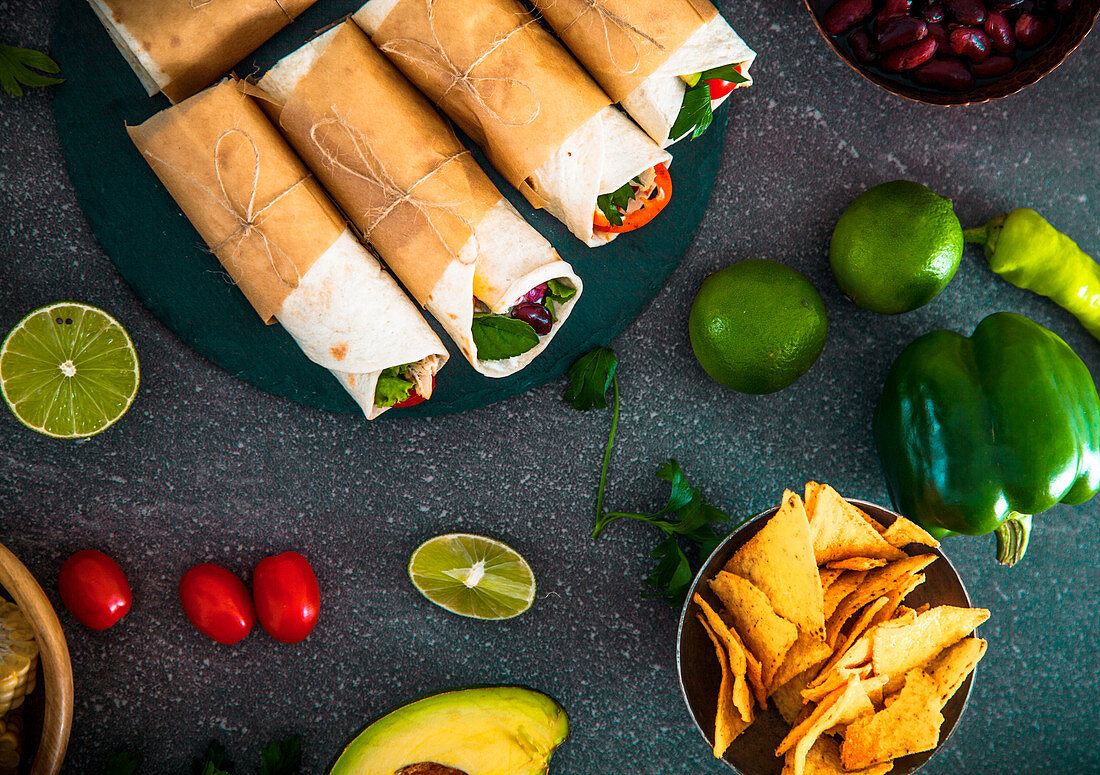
x=611 y=21
x=246 y=214
x=435 y=56
x=368 y=167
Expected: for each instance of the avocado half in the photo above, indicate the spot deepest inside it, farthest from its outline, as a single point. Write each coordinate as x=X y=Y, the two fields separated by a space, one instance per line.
x=498 y=730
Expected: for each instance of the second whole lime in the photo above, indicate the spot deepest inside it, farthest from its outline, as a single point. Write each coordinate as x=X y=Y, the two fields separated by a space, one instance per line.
x=757 y=326
x=896 y=247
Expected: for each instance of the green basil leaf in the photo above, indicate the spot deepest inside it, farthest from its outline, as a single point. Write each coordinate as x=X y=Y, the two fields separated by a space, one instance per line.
x=724 y=73
x=559 y=291
x=498 y=337
x=15 y=69
x=393 y=386
x=590 y=379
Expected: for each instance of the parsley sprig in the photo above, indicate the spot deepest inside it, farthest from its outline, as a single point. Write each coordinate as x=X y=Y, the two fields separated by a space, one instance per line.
x=18 y=66
x=613 y=205
x=282 y=757
x=695 y=112
x=686 y=519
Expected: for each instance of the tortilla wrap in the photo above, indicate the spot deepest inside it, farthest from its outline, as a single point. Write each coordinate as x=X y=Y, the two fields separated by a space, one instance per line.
x=398 y=171
x=284 y=243
x=507 y=83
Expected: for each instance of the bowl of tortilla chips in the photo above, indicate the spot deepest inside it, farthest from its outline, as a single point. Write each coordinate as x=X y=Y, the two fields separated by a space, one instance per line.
x=827 y=635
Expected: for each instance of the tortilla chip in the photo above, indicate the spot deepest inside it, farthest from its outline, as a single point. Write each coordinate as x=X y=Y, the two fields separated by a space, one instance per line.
x=827 y=578
x=808 y=650
x=742 y=664
x=896 y=649
x=813 y=490
x=779 y=561
x=855 y=656
x=859 y=626
x=788 y=697
x=842 y=706
x=848 y=583
x=910 y=724
x=875 y=584
x=856 y=563
x=904 y=532
x=728 y=723
x=838 y=530
x=894 y=608
x=823 y=758
x=767 y=635
x=951 y=668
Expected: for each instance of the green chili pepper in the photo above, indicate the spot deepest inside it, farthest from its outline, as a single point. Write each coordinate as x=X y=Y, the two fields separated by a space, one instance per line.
x=1031 y=254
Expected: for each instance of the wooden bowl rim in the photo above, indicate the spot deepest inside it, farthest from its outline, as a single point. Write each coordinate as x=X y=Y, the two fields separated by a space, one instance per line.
x=53 y=658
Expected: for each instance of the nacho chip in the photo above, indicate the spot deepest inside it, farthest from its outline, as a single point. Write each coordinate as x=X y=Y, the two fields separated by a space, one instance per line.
x=855 y=656
x=856 y=563
x=767 y=635
x=848 y=583
x=951 y=667
x=788 y=697
x=904 y=532
x=859 y=626
x=728 y=723
x=743 y=665
x=806 y=652
x=813 y=490
x=910 y=724
x=894 y=608
x=823 y=758
x=779 y=561
x=876 y=583
x=838 y=530
x=896 y=649
x=842 y=706
x=827 y=578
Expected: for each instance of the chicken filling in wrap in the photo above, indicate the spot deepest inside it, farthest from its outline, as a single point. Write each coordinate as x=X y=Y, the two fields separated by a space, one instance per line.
x=505 y=335
x=705 y=92
x=406 y=385
x=635 y=203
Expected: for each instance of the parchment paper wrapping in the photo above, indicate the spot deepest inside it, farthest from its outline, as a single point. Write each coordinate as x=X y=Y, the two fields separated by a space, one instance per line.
x=182 y=46
x=638 y=49
x=284 y=243
x=410 y=187
x=543 y=122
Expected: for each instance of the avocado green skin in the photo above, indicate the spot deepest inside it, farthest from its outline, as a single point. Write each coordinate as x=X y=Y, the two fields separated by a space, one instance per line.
x=970 y=430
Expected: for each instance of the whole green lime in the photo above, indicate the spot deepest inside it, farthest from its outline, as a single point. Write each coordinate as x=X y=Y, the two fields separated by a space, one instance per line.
x=896 y=247
x=757 y=326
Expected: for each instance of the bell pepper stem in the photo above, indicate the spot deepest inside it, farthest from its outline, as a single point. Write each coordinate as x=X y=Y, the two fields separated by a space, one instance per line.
x=1012 y=537
x=979 y=234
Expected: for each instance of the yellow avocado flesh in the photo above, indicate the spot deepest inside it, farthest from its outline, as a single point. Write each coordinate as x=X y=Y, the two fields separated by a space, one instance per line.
x=503 y=730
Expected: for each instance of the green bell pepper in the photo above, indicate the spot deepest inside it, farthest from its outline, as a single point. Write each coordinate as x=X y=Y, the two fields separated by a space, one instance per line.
x=977 y=434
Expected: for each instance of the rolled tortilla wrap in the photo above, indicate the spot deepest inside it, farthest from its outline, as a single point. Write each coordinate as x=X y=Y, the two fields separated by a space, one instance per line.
x=286 y=246
x=637 y=50
x=410 y=187
x=542 y=121
x=180 y=47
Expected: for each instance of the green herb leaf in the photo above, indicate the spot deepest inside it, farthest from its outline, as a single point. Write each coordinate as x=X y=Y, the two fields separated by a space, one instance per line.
x=613 y=205
x=498 y=337
x=393 y=386
x=122 y=763
x=15 y=69
x=282 y=757
x=590 y=378
x=559 y=292
x=724 y=73
x=214 y=761
x=673 y=574
x=694 y=112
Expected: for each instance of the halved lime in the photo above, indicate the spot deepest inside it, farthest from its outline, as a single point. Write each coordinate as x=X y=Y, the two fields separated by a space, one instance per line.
x=473 y=576
x=68 y=370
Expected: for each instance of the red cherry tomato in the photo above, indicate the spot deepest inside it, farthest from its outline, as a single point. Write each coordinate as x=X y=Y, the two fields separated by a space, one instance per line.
x=414 y=398
x=217 y=603
x=647 y=212
x=720 y=88
x=94 y=589
x=288 y=599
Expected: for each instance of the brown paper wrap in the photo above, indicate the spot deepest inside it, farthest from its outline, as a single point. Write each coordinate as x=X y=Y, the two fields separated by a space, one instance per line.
x=244 y=189
x=409 y=186
x=497 y=73
x=621 y=42
x=195 y=42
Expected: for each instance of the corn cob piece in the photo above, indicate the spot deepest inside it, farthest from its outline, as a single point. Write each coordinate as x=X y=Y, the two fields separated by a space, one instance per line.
x=18 y=657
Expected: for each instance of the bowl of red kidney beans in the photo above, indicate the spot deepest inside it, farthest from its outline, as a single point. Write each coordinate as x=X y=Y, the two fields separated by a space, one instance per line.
x=954 y=52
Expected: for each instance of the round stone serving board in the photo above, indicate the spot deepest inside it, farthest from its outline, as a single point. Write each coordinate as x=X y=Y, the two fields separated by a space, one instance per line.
x=164 y=260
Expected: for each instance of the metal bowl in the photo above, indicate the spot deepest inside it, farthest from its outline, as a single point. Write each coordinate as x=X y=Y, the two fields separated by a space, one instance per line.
x=1074 y=29
x=753 y=752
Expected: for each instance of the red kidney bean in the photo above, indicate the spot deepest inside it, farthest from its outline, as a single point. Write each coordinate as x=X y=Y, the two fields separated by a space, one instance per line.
x=970 y=43
x=933 y=13
x=537 y=315
x=900 y=32
x=860 y=43
x=999 y=29
x=896 y=8
x=945 y=73
x=994 y=67
x=1063 y=6
x=908 y=57
x=966 y=11
x=1033 y=30
x=845 y=14
x=1006 y=5
x=939 y=32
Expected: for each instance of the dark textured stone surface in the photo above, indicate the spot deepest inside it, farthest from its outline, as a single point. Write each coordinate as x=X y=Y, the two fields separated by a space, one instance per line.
x=205 y=468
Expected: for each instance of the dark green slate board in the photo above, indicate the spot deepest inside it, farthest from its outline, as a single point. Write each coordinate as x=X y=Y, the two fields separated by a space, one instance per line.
x=162 y=257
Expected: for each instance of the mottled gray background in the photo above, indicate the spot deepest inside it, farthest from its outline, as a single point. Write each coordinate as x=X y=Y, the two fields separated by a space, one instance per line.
x=207 y=468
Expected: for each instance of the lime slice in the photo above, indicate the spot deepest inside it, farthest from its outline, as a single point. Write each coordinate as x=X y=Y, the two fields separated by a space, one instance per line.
x=68 y=370
x=473 y=576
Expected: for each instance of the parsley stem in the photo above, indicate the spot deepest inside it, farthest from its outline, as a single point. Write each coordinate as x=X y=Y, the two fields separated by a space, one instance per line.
x=600 y=522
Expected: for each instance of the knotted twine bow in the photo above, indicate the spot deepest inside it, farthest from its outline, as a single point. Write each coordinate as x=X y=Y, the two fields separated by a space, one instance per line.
x=434 y=55
x=245 y=213
x=369 y=168
x=609 y=20
x=200 y=3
